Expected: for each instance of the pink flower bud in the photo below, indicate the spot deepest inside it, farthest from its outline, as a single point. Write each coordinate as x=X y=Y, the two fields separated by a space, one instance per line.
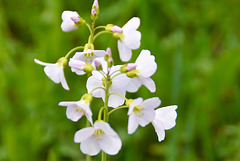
x=108 y=52
x=116 y=29
x=77 y=64
x=97 y=63
x=95 y=3
x=94 y=12
x=75 y=19
x=131 y=66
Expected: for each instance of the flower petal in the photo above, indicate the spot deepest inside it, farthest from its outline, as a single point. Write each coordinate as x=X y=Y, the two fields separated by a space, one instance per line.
x=68 y=25
x=105 y=127
x=83 y=134
x=151 y=103
x=133 y=85
x=149 y=83
x=132 y=123
x=146 y=63
x=132 y=24
x=132 y=39
x=115 y=100
x=53 y=72
x=72 y=114
x=110 y=144
x=166 y=116
x=43 y=63
x=125 y=53
x=90 y=146
x=63 y=80
x=93 y=82
x=146 y=117
x=68 y=14
x=134 y=103
x=159 y=130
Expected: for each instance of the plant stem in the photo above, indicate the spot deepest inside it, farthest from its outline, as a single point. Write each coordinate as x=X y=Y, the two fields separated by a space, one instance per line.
x=73 y=50
x=115 y=109
x=100 y=33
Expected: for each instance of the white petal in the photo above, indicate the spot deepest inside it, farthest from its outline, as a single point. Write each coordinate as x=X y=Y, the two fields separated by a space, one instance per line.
x=132 y=39
x=133 y=85
x=68 y=25
x=99 y=53
x=83 y=134
x=146 y=117
x=132 y=123
x=115 y=68
x=151 y=103
x=149 y=83
x=72 y=114
x=93 y=82
x=159 y=130
x=120 y=81
x=115 y=100
x=146 y=63
x=67 y=103
x=90 y=146
x=125 y=53
x=79 y=56
x=63 y=80
x=110 y=144
x=166 y=116
x=53 y=72
x=132 y=24
x=69 y=14
x=43 y=63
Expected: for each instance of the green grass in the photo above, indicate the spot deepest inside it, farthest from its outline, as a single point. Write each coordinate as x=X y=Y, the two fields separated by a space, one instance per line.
x=196 y=45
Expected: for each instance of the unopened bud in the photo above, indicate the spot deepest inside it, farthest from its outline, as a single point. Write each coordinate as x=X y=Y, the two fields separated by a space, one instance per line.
x=108 y=54
x=78 y=21
x=88 y=68
x=118 y=36
x=98 y=64
x=116 y=29
x=110 y=62
x=95 y=10
x=109 y=27
x=77 y=64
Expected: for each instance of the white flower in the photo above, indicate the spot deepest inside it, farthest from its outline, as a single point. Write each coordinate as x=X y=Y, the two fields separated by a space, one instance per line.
x=77 y=109
x=145 y=68
x=141 y=112
x=71 y=21
x=165 y=119
x=117 y=85
x=55 y=71
x=129 y=39
x=80 y=67
x=89 y=55
x=99 y=137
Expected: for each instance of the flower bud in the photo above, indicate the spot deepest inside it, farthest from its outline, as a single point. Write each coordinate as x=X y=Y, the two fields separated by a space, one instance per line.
x=128 y=67
x=109 y=27
x=95 y=10
x=98 y=64
x=88 y=68
x=108 y=54
x=88 y=46
x=113 y=28
x=110 y=62
x=133 y=73
x=77 y=64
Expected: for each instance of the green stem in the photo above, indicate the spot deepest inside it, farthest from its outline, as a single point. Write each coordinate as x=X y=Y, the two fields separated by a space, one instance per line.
x=115 y=72
x=96 y=89
x=100 y=113
x=115 y=109
x=119 y=96
x=99 y=27
x=116 y=75
x=73 y=50
x=100 y=33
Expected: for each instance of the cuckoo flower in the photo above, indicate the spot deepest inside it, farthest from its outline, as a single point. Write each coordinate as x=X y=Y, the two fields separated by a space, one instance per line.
x=128 y=39
x=141 y=71
x=71 y=21
x=55 y=71
x=96 y=84
x=77 y=109
x=99 y=137
x=165 y=119
x=141 y=112
x=89 y=55
x=80 y=67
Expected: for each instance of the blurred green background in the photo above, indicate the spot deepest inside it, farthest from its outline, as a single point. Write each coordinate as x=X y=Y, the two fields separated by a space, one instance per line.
x=196 y=45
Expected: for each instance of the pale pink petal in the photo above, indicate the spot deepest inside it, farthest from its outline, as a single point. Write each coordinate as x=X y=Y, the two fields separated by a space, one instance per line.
x=72 y=114
x=83 y=134
x=146 y=63
x=63 y=80
x=132 y=39
x=90 y=146
x=68 y=14
x=133 y=85
x=159 y=130
x=132 y=24
x=149 y=83
x=151 y=103
x=132 y=123
x=68 y=25
x=120 y=81
x=125 y=53
x=110 y=144
x=167 y=116
x=53 y=72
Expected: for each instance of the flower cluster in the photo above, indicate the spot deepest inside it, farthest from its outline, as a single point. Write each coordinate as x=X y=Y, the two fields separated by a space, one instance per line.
x=110 y=82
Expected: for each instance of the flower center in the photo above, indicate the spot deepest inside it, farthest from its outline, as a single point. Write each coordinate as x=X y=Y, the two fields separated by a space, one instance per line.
x=88 y=56
x=106 y=80
x=138 y=110
x=79 y=109
x=98 y=133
